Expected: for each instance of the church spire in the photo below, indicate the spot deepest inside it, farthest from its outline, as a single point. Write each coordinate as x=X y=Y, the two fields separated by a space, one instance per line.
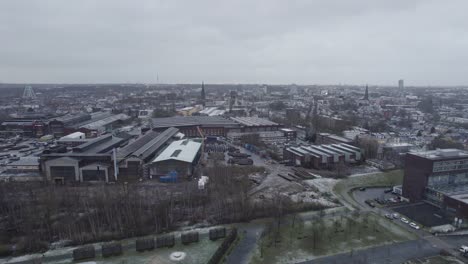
x=203 y=93
x=366 y=95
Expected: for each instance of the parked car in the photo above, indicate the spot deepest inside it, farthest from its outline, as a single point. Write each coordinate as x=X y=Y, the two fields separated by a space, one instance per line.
x=389 y=216
x=404 y=220
x=362 y=189
x=388 y=190
x=379 y=201
x=370 y=203
x=463 y=249
x=395 y=216
x=414 y=225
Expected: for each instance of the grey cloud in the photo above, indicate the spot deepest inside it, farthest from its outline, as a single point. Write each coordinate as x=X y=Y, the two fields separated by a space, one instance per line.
x=264 y=41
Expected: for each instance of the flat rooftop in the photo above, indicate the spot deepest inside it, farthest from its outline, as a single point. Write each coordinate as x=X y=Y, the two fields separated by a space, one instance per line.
x=463 y=197
x=25 y=161
x=441 y=154
x=336 y=137
x=451 y=189
x=254 y=121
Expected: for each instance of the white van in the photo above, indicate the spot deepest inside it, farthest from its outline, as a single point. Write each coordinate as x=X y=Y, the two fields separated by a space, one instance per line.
x=463 y=249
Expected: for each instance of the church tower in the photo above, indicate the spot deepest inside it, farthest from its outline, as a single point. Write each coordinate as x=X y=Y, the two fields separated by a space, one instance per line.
x=366 y=95
x=203 y=98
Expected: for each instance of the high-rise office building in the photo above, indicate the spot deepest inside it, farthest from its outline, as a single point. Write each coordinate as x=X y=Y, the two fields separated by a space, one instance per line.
x=401 y=84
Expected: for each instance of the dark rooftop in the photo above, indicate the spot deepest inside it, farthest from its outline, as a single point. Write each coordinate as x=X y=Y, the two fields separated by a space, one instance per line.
x=146 y=146
x=101 y=144
x=180 y=121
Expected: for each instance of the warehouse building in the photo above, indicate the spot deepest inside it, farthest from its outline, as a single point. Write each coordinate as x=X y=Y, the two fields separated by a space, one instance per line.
x=24 y=164
x=255 y=124
x=269 y=132
x=101 y=125
x=321 y=156
x=188 y=125
x=91 y=161
x=439 y=177
x=73 y=139
x=22 y=170
x=180 y=156
x=133 y=158
x=327 y=138
x=63 y=125
x=211 y=111
x=94 y=160
x=27 y=128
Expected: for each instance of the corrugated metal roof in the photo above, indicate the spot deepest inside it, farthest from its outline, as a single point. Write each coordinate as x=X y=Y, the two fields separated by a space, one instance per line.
x=179 y=121
x=156 y=143
x=137 y=144
x=99 y=145
x=103 y=122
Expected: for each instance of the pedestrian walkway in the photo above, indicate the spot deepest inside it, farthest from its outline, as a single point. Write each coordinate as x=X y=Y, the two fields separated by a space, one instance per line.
x=245 y=248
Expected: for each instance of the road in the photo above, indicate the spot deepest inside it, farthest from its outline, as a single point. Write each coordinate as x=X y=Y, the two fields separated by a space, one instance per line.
x=455 y=240
x=393 y=253
x=366 y=173
x=272 y=177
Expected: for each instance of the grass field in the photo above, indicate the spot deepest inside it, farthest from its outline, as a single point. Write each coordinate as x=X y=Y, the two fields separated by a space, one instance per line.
x=298 y=240
x=195 y=253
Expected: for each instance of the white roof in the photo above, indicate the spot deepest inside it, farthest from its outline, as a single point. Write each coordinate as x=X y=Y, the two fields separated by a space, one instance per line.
x=182 y=150
x=212 y=111
x=75 y=135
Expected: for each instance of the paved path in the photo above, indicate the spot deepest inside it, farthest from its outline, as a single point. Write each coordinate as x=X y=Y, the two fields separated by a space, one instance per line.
x=244 y=249
x=455 y=240
x=387 y=254
x=365 y=174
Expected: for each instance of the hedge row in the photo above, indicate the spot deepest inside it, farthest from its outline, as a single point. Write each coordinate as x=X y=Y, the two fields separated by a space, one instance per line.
x=218 y=255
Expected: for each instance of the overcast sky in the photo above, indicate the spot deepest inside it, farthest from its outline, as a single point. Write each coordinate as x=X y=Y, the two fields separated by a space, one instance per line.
x=238 y=41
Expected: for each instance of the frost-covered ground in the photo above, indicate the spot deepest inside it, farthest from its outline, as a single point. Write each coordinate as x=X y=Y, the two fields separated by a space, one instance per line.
x=195 y=253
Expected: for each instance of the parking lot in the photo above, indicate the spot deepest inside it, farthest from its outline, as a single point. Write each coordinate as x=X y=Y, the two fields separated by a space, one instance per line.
x=423 y=213
x=392 y=253
x=375 y=194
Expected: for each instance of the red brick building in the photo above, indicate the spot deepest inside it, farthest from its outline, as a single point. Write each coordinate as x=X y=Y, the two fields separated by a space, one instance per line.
x=439 y=177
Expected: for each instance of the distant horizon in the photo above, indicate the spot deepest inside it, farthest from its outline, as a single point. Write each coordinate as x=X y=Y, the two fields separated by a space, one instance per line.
x=258 y=84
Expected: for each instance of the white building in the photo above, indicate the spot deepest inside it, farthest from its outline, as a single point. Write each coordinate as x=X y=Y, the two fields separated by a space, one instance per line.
x=180 y=156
